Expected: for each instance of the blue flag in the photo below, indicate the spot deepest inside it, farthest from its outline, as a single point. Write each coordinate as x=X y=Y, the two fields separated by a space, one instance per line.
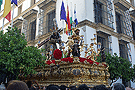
x=15 y=2
x=75 y=20
x=63 y=12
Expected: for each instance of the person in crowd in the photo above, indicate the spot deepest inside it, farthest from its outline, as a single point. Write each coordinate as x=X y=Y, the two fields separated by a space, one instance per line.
x=72 y=88
x=100 y=87
x=17 y=85
x=118 y=86
x=52 y=87
x=30 y=86
x=63 y=87
x=83 y=87
x=128 y=88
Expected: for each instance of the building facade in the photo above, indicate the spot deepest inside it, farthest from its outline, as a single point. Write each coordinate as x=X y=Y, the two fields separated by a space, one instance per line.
x=112 y=20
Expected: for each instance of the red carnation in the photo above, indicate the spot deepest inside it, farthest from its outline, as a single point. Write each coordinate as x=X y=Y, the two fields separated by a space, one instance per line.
x=97 y=63
x=70 y=59
x=53 y=61
x=90 y=61
x=64 y=59
x=48 y=62
x=104 y=65
x=57 y=54
x=82 y=59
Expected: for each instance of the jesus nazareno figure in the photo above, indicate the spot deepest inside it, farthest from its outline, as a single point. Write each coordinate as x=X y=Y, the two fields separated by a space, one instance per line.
x=76 y=49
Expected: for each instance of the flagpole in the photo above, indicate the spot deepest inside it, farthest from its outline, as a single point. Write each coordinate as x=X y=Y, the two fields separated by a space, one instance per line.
x=63 y=32
x=3 y=24
x=12 y=16
x=71 y=17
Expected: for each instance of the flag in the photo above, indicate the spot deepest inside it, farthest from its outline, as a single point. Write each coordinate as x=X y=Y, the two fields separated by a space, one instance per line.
x=0 y=4
x=14 y=1
x=71 y=15
x=7 y=10
x=75 y=20
x=68 y=21
x=63 y=12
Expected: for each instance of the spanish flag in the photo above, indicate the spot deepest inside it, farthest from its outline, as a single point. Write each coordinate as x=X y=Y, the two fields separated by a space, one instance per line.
x=68 y=25
x=7 y=10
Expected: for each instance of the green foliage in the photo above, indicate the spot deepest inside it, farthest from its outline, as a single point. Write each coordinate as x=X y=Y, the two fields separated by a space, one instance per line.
x=118 y=67
x=15 y=56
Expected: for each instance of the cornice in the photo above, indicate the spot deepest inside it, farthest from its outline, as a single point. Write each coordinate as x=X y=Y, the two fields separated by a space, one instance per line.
x=132 y=41
x=86 y=22
x=39 y=38
x=17 y=22
x=132 y=18
x=123 y=4
x=29 y=13
x=124 y=37
x=132 y=13
x=98 y=27
x=46 y=4
x=103 y=28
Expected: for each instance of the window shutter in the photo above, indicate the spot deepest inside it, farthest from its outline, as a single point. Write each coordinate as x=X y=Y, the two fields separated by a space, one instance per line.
x=25 y=26
x=110 y=44
x=128 y=24
x=129 y=52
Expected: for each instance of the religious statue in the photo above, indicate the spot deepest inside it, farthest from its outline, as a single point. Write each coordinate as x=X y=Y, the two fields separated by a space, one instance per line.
x=75 y=48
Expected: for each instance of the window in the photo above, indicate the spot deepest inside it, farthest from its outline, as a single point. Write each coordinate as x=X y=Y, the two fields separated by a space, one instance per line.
x=33 y=2
x=33 y=29
x=47 y=12
x=132 y=2
x=118 y=22
x=103 y=12
x=98 y=12
x=123 y=22
x=46 y=21
x=29 y=28
x=104 y=42
x=19 y=10
x=51 y=16
x=133 y=29
x=123 y=50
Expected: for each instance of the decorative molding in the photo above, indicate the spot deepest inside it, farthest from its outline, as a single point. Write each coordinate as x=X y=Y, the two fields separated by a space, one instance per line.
x=45 y=4
x=98 y=27
x=67 y=74
x=132 y=41
x=122 y=4
x=40 y=38
x=29 y=13
x=17 y=22
x=132 y=13
x=124 y=37
x=132 y=18
x=86 y=22
x=103 y=28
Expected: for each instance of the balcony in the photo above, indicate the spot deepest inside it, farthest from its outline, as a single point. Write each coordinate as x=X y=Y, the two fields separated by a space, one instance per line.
x=122 y=4
x=47 y=3
x=132 y=13
x=17 y=22
x=124 y=37
x=30 y=13
x=105 y=29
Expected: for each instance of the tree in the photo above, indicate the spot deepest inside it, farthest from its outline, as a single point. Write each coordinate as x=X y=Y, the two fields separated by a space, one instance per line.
x=16 y=56
x=118 y=67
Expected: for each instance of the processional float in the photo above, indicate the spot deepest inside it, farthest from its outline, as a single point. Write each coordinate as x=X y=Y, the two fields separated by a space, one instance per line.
x=66 y=67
